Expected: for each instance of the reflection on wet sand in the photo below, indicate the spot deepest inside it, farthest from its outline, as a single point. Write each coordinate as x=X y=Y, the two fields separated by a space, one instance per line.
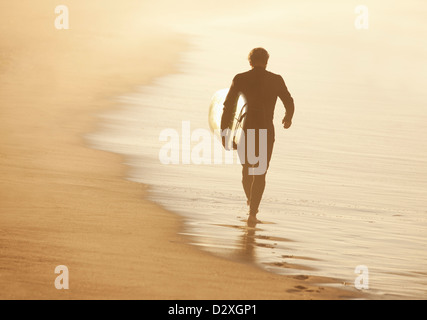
x=253 y=239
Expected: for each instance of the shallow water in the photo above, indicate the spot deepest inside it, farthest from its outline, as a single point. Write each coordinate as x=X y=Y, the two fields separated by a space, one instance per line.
x=346 y=185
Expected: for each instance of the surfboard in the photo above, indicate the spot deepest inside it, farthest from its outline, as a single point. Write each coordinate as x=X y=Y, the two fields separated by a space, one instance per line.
x=215 y=114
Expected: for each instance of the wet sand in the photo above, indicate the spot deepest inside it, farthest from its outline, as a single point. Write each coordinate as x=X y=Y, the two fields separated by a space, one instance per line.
x=337 y=199
x=63 y=203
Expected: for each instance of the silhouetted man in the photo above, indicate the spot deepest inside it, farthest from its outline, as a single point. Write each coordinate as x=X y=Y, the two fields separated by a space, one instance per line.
x=260 y=89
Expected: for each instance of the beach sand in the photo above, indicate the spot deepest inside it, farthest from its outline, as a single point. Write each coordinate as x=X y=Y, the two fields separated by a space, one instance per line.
x=63 y=203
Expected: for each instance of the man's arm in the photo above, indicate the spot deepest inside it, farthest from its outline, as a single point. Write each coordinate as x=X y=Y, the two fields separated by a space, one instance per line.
x=230 y=105
x=288 y=102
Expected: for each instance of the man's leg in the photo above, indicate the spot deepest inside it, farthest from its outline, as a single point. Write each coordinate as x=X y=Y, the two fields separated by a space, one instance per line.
x=254 y=185
x=257 y=190
x=247 y=182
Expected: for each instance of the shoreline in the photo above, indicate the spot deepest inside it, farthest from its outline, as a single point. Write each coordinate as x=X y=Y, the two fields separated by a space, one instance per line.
x=67 y=204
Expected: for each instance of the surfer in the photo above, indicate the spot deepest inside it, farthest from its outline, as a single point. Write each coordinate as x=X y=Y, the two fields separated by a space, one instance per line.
x=260 y=89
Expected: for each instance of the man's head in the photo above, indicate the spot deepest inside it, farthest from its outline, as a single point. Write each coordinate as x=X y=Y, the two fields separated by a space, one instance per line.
x=258 y=57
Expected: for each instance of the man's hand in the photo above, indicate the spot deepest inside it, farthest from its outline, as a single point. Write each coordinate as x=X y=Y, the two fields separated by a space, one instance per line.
x=286 y=123
x=225 y=138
